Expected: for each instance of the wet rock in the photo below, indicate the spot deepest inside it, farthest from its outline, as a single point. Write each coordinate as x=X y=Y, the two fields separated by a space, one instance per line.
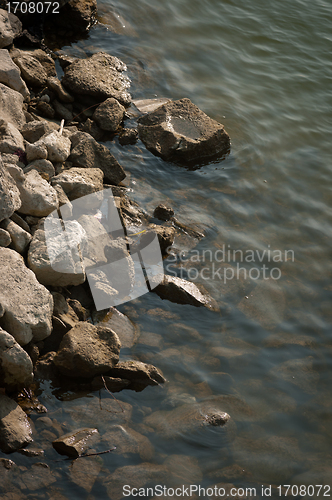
x=231 y=473
x=179 y=131
x=45 y=368
x=9 y=194
x=119 y=323
x=85 y=472
x=165 y=236
x=10 y=28
x=88 y=350
x=183 y=469
x=31 y=452
x=26 y=306
x=34 y=130
x=74 y=444
x=11 y=106
x=5 y=238
x=128 y=136
x=54 y=84
x=78 y=182
x=99 y=76
x=109 y=115
x=37 y=196
x=299 y=372
x=65 y=266
x=181 y=291
x=20 y=238
x=105 y=412
x=141 y=374
x=15 y=430
x=140 y=475
x=163 y=212
x=10 y=138
x=38 y=476
x=128 y=442
x=63 y=112
x=16 y=370
x=43 y=167
x=87 y=153
x=10 y=74
x=31 y=70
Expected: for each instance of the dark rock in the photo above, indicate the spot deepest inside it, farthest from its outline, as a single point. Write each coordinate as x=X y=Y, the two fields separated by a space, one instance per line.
x=85 y=472
x=38 y=476
x=109 y=115
x=141 y=374
x=81 y=312
x=128 y=136
x=54 y=84
x=183 y=470
x=99 y=76
x=76 y=16
x=15 y=430
x=163 y=212
x=165 y=235
x=63 y=111
x=5 y=238
x=112 y=384
x=46 y=109
x=74 y=444
x=91 y=128
x=87 y=153
x=179 y=131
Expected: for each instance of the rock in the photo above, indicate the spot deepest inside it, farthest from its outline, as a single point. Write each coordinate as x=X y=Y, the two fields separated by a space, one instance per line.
x=9 y=194
x=165 y=235
x=87 y=153
x=54 y=84
x=32 y=70
x=163 y=212
x=26 y=306
x=64 y=311
x=91 y=128
x=20 y=222
x=36 y=151
x=55 y=259
x=10 y=74
x=112 y=384
x=5 y=238
x=181 y=291
x=141 y=374
x=128 y=442
x=64 y=203
x=74 y=444
x=34 y=130
x=78 y=182
x=99 y=76
x=10 y=138
x=58 y=147
x=179 y=131
x=102 y=291
x=45 y=109
x=20 y=237
x=16 y=369
x=10 y=28
x=88 y=350
x=15 y=430
x=119 y=323
x=183 y=470
x=43 y=167
x=300 y=373
x=109 y=114
x=149 y=105
x=45 y=60
x=128 y=136
x=38 y=197
x=85 y=472
x=11 y=106
x=63 y=112
x=37 y=477
x=95 y=231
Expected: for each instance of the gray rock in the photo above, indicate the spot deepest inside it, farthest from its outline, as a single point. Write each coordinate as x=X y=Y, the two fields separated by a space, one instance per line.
x=141 y=374
x=34 y=130
x=20 y=238
x=43 y=167
x=38 y=476
x=163 y=212
x=181 y=291
x=179 y=131
x=36 y=151
x=11 y=104
x=54 y=84
x=15 y=430
x=38 y=197
x=10 y=74
x=10 y=28
x=95 y=231
x=78 y=182
x=54 y=259
x=16 y=369
x=63 y=112
x=74 y=444
x=109 y=115
x=119 y=323
x=99 y=76
x=87 y=153
x=26 y=306
x=58 y=146
x=85 y=472
x=9 y=194
x=87 y=350
x=31 y=70
x=128 y=442
x=11 y=139
x=5 y=239
x=64 y=203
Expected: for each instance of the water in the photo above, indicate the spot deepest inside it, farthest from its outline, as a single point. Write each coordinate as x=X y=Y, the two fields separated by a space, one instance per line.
x=263 y=69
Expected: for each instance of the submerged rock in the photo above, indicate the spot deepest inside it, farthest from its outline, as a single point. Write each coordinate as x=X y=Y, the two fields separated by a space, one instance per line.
x=15 y=430
x=16 y=370
x=128 y=442
x=74 y=444
x=179 y=131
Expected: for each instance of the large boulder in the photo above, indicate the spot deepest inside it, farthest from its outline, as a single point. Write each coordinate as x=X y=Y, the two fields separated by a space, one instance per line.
x=99 y=76
x=32 y=70
x=78 y=182
x=9 y=194
x=88 y=350
x=26 y=306
x=11 y=104
x=10 y=28
x=75 y=16
x=16 y=369
x=38 y=197
x=88 y=153
x=15 y=430
x=10 y=74
x=11 y=139
x=179 y=131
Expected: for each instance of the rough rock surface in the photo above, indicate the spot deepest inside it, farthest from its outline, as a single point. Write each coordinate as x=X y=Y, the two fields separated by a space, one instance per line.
x=95 y=231
x=43 y=167
x=11 y=139
x=54 y=84
x=119 y=323
x=10 y=28
x=38 y=197
x=11 y=104
x=34 y=130
x=58 y=147
x=32 y=70
x=179 y=131
x=87 y=153
x=20 y=237
x=15 y=430
x=10 y=74
x=88 y=350
x=109 y=115
x=75 y=444
x=25 y=305
x=141 y=374
x=99 y=76
x=9 y=194
x=78 y=182
x=16 y=369
x=5 y=238
x=53 y=258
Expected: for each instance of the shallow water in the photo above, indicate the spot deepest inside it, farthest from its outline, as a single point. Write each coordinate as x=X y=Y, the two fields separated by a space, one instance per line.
x=263 y=69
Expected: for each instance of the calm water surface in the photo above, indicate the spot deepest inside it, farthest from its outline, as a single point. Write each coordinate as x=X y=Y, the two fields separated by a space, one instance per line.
x=263 y=69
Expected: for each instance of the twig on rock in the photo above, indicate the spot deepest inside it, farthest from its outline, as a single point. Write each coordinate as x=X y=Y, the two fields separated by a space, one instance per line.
x=111 y=395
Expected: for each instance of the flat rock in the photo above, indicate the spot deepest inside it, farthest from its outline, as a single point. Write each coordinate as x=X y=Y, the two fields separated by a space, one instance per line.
x=33 y=131
x=20 y=238
x=109 y=115
x=31 y=70
x=88 y=153
x=119 y=323
x=10 y=74
x=74 y=444
x=15 y=430
x=99 y=76
x=128 y=442
x=11 y=139
x=184 y=469
x=180 y=291
x=38 y=197
x=55 y=255
x=10 y=28
x=43 y=167
x=85 y=472
x=26 y=306
x=9 y=194
x=179 y=131
x=88 y=350
x=141 y=374
x=11 y=106
x=16 y=369
x=79 y=182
